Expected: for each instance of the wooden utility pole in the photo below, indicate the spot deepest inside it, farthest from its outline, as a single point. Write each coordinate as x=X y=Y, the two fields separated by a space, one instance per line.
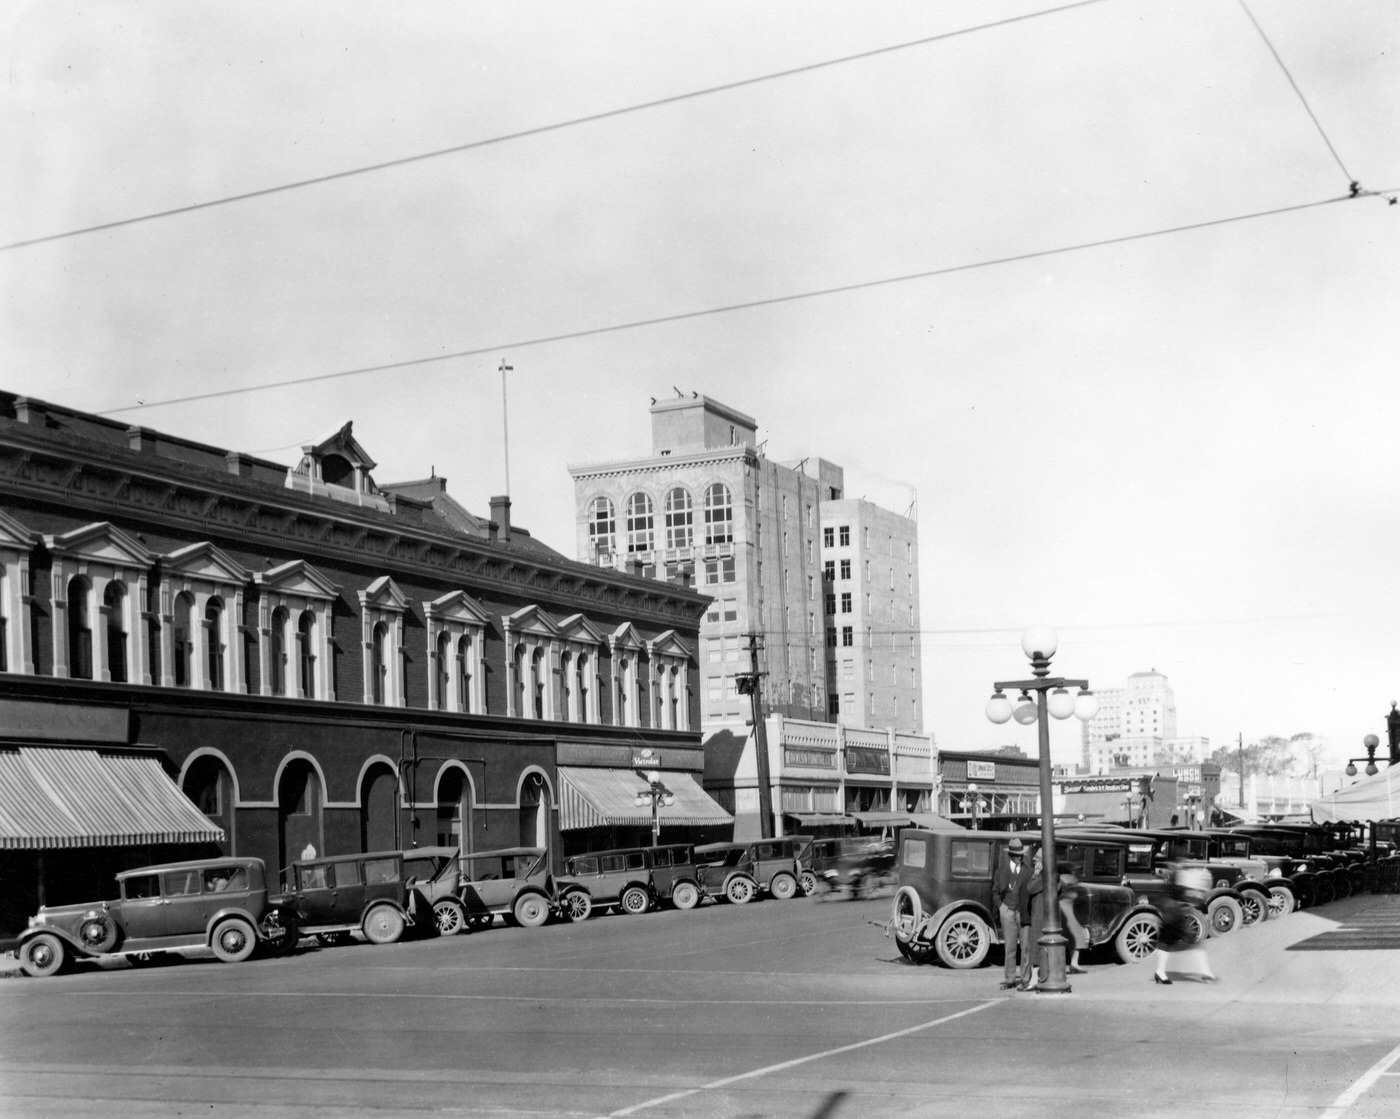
x=750 y=684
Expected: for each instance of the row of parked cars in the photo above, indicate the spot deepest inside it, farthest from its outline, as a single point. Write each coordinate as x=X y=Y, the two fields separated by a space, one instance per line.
x=231 y=906
x=942 y=907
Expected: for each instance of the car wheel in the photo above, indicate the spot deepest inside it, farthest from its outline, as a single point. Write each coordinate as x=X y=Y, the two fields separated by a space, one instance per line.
x=332 y=939
x=1322 y=891
x=43 y=956
x=1281 y=901
x=532 y=911
x=383 y=925
x=783 y=886
x=479 y=922
x=1341 y=886
x=1225 y=915
x=577 y=906
x=635 y=900
x=1137 y=939
x=739 y=890
x=234 y=940
x=685 y=896
x=449 y=917
x=279 y=935
x=1254 y=905
x=963 y=941
x=809 y=883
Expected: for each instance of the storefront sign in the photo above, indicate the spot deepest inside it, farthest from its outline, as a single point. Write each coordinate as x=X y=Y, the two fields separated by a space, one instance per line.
x=981 y=771
x=1097 y=785
x=809 y=759
x=859 y=759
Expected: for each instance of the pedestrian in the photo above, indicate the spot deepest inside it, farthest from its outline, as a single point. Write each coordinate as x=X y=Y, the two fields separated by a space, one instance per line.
x=1076 y=936
x=1009 y=881
x=1033 y=917
x=1183 y=934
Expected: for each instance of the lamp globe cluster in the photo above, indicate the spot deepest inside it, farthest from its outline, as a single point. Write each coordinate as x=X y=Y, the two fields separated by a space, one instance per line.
x=1039 y=644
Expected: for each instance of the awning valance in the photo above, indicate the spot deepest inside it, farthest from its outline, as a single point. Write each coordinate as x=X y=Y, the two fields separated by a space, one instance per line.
x=930 y=821
x=82 y=797
x=598 y=798
x=820 y=819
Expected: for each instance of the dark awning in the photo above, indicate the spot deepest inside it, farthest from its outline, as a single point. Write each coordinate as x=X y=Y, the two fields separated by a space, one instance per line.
x=929 y=820
x=82 y=797
x=820 y=819
x=596 y=798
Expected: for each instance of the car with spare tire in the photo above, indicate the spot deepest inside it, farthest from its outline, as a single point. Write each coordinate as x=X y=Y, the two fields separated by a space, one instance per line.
x=514 y=883
x=604 y=880
x=739 y=872
x=338 y=895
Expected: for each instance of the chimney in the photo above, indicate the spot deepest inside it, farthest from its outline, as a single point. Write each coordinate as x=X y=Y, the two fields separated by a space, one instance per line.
x=500 y=515
x=141 y=439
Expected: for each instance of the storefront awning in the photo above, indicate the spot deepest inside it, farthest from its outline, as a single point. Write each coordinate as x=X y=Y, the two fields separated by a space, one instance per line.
x=929 y=820
x=82 y=797
x=599 y=798
x=820 y=819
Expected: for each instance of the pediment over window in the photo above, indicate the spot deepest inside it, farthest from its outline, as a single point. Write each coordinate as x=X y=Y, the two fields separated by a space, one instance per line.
x=457 y=606
x=384 y=594
x=101 y=543
x=205 y=561
x=533 y=620
x=668 y=644
x=13 y=534
x=297 y=577
x=625 y=637
x=578 y=628
x=339 y=468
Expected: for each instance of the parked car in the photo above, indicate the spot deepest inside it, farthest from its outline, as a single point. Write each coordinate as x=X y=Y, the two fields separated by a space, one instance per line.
x=434 y=876
x=1225 y=846
x=673 y=874
x=943 y=905
x=221 y=903
x=618 y=879
x=514 y=882
x=737 y=872
x=337 y=895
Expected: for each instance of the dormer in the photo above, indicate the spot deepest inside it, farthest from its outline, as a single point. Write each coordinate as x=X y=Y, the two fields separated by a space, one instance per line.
x=337 y=467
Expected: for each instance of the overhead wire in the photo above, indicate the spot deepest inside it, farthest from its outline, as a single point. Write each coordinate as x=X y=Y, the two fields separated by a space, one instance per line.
x=728 y=308
x=540 y=130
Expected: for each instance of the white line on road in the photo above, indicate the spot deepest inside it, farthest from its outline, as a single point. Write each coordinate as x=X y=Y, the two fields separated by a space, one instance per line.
x=645 y=1104
x=1363 y=1085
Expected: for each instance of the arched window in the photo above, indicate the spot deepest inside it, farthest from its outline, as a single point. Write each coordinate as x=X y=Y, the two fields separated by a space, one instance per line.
x=277 y=641
x=184 y=640
x=602 y=526
x=537 y=675
x=584 y=668
x=640 y=528
x=620 y=715
x=566 y=689
x=214 y=634
x=673 y=697
x=444 y=671
x=520 y=667
x=680 y=519
x=79 y=629
x=306 y=653
x=114 y=599
x=464 y=674
x=719 y=515
x=379 y=666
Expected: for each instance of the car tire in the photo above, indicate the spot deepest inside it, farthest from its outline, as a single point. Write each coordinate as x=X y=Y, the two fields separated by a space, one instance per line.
x=906 y=915
x=810 y=884
x=234 y=940
x=740 y=890
x=963 y=941
x=1254 y=904
x=1137 y=939
x=43 y=956
x=383 y=925
x=1281 y=902
x=782 y=886
x=280 y=936
x=98 y=933
x=449 y=917
x=578 y=906
x=635 y=900
x=1224 y=915
x=685 y=895
x=532 y=910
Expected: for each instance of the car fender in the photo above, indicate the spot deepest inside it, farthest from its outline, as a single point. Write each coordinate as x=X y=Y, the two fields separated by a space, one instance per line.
x=224 y=914
x=934 y=921
x=684 y=880
x=554 y=901
x=1126 y=916
x=62 y=934
x=375 y=903
x=1223 y=892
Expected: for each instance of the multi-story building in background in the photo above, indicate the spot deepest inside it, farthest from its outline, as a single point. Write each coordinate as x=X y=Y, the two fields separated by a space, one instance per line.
x=1132 y=724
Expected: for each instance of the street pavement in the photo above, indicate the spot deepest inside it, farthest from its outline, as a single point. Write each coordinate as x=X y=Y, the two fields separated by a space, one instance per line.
x=784 y=1009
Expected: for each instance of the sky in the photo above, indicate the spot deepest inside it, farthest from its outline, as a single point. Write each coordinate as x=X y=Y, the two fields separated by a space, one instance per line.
x=1085 y=285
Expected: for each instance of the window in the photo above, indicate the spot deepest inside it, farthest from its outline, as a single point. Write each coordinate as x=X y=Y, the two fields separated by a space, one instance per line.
x=602 y=526
x=828 y=537
x=640 y=530
x=831 y=637
x=277 y=642
x=829 y=571
x=845 y=569
x=811 y=588
x=909 y=552
x=537 y=678
x=680 y=519
x=845 y=536
x=79 y=630
x=294 y=612
x=184 y=640
x=719 y=515
x=441 y=671
x=379 y=665
x=719 y=570
x=833 y=705
x=846 y=602
x=215 y=645
x=831 y=604
x=466 y=659
x=848 y=636
x=114 y=600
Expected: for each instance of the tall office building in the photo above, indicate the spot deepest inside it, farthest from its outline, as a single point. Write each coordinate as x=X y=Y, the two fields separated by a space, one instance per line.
x=1132 y=724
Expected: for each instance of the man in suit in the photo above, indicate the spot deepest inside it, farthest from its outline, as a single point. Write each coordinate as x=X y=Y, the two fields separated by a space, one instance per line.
x=1010 y=880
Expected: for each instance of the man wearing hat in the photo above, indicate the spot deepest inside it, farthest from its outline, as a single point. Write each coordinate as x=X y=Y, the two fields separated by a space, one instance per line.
x=1009 y=883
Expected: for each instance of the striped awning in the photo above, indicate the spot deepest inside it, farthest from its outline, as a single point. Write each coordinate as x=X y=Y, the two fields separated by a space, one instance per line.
x=82 y=797
x=596 y=798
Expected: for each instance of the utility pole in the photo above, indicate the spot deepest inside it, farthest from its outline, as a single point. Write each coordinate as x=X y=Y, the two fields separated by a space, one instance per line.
x=749 y=684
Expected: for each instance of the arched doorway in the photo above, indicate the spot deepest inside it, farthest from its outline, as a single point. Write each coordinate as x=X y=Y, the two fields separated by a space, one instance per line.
x=534 y=811
x=454 y=811
x=298 y=811
x=209 y=785
x=379 y=798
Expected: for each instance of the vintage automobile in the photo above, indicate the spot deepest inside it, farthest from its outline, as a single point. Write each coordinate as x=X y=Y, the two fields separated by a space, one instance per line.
x=337 y=895
x=618 y=879
x=1297 y=854
x=221 y=903
x=737 y=872
x=434 y=877
x=943 y=905
x=514 y=882
x=1225 y=846
x=673 y=874
x=851 y=863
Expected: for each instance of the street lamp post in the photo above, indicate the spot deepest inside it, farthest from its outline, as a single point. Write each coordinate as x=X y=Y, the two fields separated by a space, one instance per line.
x=656 y=796
x=1052 y=698
x=1370 y=742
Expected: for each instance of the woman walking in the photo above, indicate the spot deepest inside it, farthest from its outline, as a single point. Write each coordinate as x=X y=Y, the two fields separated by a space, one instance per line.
x=1183 y=934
